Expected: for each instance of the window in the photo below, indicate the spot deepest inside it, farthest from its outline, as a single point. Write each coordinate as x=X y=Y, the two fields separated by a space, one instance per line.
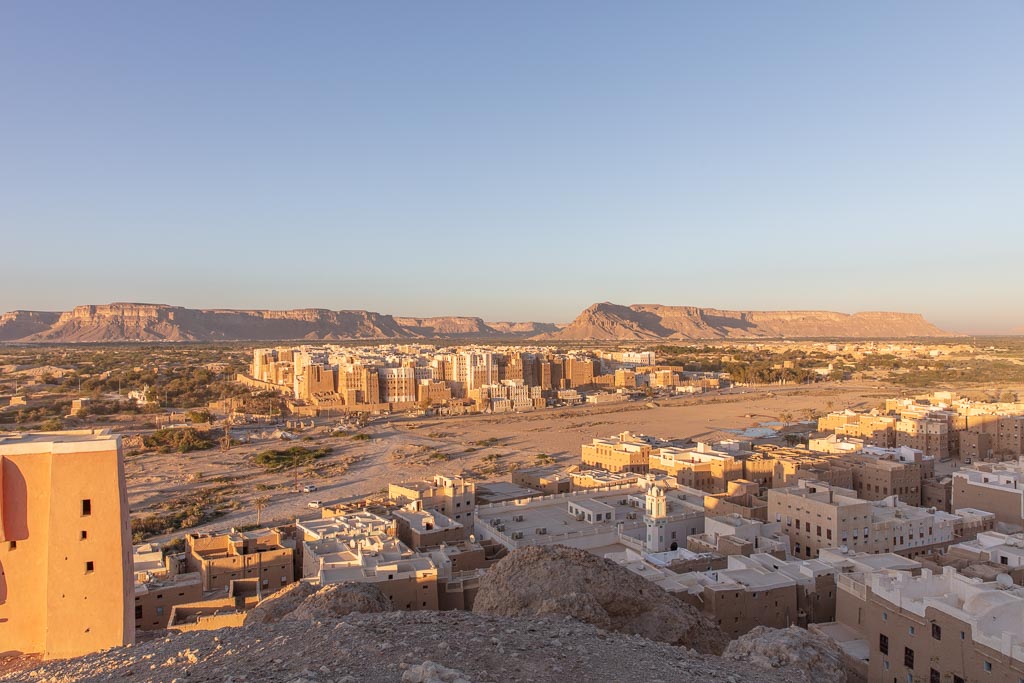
x=86 y=507
x=936 y=632
x=988 y=666
x=159 y=611
x=908 y=658
x=957 y=679
x=885 y=616
x=13 y=545
x=911 y=630
x=883 y=643
x=934 y=676
x=85 y=534
x=89 y=566
x=138 y=611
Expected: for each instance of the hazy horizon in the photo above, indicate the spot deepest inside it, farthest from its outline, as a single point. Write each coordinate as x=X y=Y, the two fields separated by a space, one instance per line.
x=516 y=163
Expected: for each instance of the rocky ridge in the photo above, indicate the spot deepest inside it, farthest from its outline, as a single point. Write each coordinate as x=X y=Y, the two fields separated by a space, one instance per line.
x=649 y=322
x=407 y=647
x=120 y=322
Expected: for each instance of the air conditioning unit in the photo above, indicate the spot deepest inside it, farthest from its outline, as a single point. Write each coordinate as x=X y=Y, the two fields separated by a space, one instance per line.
x=495 y=522
x=631 y=515
x=516 y=535
x=500 y=527
x=518 y=518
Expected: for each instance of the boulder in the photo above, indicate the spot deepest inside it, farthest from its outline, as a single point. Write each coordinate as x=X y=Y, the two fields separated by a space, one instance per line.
x=544 y=580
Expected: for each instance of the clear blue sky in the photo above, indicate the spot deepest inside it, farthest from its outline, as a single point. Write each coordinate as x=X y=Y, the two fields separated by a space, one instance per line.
x=519 y=161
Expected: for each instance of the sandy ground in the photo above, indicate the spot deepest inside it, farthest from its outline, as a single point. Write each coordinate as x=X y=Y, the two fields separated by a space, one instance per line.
x=481 y=446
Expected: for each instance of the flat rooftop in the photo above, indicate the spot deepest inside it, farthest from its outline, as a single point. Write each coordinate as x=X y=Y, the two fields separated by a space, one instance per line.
x=71 y=441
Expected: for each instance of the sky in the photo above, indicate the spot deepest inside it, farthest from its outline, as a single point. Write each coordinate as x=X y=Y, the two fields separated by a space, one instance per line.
x=515 y=161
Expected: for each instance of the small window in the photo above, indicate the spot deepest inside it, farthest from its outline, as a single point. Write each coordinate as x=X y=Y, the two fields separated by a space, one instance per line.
x=89 y=566
x=883 y=643
x=908 y=658
x=85 y=534
x=988 y=666
x=86 y=507
x=160 y=611
x=138 y=611
x=911 y=630
x=936 y=632
x=13 y=545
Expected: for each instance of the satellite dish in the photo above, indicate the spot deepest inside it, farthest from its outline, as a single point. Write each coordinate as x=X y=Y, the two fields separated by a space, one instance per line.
x=1004 y=581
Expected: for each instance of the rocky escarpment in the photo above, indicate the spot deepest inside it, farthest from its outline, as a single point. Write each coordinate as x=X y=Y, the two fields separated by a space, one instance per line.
x=544 y=580
x=21 y=324
x=641 y=322
x=119 y=322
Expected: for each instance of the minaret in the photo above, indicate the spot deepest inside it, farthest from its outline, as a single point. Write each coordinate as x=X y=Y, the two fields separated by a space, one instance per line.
x=654 y=519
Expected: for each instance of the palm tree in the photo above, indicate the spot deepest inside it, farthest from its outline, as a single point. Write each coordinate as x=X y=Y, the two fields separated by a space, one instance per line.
x=260 y=503
x=785 y=417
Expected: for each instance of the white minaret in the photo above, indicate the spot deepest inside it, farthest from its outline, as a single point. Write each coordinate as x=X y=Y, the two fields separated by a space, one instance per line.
x=654 y=519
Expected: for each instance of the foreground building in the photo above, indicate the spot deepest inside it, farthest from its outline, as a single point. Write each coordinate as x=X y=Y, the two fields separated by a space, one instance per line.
x=935 y=627
x=66 y=585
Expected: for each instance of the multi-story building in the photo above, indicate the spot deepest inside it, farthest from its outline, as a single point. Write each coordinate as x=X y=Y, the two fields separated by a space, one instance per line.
x=66 y=581
x=874 y=429
x=997 y=488
x=221 y=558
x=425 y=528
x=935 y=627
x=817 y=516
x=158 y=588
x=626 y=452
x=999 y=436
x=453 y=497
x=705 y=467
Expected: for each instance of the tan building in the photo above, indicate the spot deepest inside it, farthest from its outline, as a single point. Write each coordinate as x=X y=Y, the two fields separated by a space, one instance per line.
x=66 y=585
x=221 y=558
x=872 y=428
x=993 y=436
x=703 y=467
x=156 y=598
x=817 y=516
x=453 y=497
x=426 y=528
x=626 y=452
x=997 y=488
x=549 y=480
x=935 y=627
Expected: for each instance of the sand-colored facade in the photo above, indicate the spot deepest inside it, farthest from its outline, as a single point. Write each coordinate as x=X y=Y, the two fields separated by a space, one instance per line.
x=66 y=582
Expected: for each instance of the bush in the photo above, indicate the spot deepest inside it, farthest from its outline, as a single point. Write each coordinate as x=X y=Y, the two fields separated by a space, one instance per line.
x=199 y=416
x=183 y=440
x=289 y=458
